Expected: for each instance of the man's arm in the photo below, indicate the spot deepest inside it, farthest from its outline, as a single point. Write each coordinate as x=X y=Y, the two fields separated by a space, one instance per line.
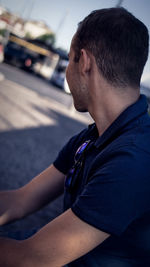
x=38 y=192
x=61 y=241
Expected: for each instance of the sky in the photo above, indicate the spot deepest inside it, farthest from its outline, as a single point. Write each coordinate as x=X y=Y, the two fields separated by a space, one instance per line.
x=62 y=16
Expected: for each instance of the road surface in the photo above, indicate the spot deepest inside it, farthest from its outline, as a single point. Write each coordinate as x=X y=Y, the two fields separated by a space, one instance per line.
x=36 y=120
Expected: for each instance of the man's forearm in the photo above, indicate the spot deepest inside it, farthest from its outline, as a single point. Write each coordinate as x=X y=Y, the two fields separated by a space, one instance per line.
x=11 y=253
x=42 y=189
x=61 y=241
x=45 y=187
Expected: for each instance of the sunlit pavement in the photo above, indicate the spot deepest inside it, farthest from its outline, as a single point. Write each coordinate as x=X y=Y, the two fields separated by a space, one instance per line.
x=1 y=77
x=22 y=108
x=33 y=128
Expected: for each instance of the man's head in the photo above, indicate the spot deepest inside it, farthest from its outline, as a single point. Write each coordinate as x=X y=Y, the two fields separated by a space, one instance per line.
x=118 y=41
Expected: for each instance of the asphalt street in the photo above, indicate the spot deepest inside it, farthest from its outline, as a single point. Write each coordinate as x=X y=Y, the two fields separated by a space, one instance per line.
x=36 y=120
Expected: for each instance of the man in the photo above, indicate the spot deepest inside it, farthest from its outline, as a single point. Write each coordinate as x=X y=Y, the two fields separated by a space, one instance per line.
x=106 y=218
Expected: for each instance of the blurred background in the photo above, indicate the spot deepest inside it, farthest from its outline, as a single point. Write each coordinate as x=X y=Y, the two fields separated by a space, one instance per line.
x=37 y=115
x=36 y=35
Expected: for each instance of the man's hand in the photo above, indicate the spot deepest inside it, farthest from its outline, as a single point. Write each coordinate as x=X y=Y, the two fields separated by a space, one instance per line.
x=61 y=241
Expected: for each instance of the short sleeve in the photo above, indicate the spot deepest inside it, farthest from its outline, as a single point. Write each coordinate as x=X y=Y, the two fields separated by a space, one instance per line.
x=112 y=198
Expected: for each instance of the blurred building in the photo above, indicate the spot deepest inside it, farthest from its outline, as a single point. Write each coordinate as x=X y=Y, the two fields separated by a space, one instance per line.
x=21 y=27
x=36 y=28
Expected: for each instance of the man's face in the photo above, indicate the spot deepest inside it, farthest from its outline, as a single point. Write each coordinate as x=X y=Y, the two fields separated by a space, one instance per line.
x=75 y=82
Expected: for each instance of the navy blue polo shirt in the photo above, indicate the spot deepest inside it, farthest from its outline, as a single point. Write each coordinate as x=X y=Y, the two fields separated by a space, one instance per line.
x=112 y=192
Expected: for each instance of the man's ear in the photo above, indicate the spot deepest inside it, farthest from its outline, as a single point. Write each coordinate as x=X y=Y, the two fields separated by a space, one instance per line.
x=85 y=61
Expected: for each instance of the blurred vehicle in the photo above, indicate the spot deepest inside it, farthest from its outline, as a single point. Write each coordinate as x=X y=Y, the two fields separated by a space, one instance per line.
x=1 y=52
x=30 y=55
x=146 y=91
x=58 y=77
x=17 y=52
x=66 y=87
x=145 y=86
x=45 y=66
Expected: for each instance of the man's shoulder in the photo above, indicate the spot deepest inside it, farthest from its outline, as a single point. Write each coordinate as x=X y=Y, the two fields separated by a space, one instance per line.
x=130 y=150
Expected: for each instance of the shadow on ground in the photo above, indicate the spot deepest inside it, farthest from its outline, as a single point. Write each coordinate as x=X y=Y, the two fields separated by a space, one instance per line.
x=25 y=153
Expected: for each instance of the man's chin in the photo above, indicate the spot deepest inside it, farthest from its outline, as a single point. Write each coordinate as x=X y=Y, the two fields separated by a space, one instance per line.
x=79 y=109
x=83 y=110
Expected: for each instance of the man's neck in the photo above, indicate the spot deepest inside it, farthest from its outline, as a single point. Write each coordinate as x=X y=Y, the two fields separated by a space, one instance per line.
x=105 y=108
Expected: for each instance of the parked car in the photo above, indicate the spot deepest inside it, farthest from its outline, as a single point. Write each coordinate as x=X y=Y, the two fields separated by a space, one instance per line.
x=58 y=77
x=45 y=65
x=66 y=87
x=145 y=88
x=146 y=91
x=18 y=54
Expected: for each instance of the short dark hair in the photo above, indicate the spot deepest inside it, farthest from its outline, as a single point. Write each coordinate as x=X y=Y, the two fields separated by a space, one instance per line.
x=119 y=42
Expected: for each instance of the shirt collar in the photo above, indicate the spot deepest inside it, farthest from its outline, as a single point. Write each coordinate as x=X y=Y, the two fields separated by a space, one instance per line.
x=128 y=115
